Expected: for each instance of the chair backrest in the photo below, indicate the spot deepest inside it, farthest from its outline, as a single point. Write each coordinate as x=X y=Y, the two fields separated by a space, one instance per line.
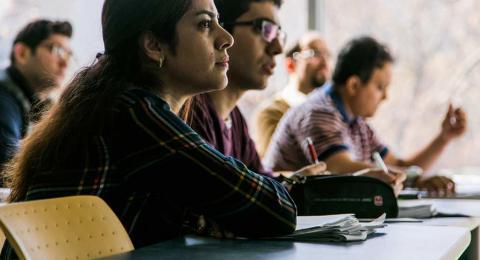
x=77 y=227
x=2 y=239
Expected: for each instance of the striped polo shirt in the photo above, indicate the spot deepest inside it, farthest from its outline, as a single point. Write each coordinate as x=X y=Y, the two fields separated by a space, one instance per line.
x=322 y=118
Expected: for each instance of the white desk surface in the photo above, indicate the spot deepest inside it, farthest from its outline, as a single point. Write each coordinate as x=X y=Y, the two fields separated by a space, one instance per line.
x=399 y=242
x=451 y=206
x=409 y=242
x=455 y=206
x=462 y=206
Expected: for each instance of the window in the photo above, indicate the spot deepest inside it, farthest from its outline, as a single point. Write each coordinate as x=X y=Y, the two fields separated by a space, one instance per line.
x=437 y=49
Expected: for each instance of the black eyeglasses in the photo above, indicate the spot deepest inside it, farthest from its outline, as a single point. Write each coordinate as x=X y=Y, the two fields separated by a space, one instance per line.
x=267 y=29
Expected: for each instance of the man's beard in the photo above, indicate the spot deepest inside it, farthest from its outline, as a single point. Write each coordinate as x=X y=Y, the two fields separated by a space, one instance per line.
x=318 y=83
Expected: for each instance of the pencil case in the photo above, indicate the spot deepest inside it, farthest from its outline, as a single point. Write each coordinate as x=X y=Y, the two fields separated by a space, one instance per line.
x=364 y=196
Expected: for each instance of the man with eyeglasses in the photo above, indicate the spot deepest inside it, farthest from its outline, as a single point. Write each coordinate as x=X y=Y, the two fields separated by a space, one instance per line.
x=336 y=119
x=39 y=59
x=258 y=37
x=308 y=64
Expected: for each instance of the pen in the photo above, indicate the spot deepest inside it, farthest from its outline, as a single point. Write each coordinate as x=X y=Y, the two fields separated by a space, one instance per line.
x=311 y=149
x=452 y=120
x=379 y=162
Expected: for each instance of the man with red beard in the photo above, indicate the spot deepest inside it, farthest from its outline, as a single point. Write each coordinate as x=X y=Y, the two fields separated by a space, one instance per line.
x=308 y=64
x=335 y=119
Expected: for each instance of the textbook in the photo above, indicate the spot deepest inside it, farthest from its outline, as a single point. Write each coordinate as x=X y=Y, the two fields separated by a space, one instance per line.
x=333 y=228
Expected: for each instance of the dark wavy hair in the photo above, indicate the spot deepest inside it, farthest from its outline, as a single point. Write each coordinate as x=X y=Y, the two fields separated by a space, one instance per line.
x=85 y=106
x=360 y=57
x=230 y=10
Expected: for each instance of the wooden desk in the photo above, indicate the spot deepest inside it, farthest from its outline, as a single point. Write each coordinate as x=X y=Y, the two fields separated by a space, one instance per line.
x=397 y=242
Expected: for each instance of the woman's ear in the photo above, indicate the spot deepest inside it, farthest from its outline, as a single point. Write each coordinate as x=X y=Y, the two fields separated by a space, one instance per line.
x=353 y=85
x=152 y=48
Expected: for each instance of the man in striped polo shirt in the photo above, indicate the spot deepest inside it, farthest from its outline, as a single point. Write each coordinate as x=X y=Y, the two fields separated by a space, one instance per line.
x=335 y=120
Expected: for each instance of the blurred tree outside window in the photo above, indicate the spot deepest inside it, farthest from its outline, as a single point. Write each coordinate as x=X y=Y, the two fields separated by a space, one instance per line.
x=437 y=50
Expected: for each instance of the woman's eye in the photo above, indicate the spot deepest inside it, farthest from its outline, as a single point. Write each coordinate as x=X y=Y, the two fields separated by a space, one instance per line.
x=205 y=24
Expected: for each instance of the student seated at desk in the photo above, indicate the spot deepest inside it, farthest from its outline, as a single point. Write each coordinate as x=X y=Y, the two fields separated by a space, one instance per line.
x=215 y=116
x=115 y=132
x=335 y=120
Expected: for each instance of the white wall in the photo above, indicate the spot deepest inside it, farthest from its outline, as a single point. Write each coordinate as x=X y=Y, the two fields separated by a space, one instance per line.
x=83 y=14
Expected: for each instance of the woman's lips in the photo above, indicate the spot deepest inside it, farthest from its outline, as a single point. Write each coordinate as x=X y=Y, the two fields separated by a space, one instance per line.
x=223 y=63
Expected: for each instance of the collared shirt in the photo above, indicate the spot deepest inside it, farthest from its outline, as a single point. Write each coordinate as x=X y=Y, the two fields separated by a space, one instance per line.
x=322 y=118
x=271 y=112
x=155 y=172
x=21 y=82
x=266 y=120
x=292 y=95
x=231 y=140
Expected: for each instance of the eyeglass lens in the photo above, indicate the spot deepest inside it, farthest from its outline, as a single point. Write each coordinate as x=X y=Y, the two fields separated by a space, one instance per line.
x=60 y=51
x=271 y=31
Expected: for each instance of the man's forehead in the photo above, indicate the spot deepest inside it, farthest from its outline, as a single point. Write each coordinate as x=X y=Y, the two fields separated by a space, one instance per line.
x=317 y=44
x=383 y=74
x=57 y=38
x=264 y=9
x=311 y=39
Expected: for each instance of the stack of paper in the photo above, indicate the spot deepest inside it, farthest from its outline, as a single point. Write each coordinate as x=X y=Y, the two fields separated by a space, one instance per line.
x=333 y=228
x=417 y=211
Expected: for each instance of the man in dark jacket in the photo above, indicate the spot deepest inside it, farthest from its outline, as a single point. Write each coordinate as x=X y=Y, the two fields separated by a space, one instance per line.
x=39 y=59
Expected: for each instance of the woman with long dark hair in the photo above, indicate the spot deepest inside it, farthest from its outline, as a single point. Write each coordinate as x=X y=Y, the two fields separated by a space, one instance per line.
x=115 y=132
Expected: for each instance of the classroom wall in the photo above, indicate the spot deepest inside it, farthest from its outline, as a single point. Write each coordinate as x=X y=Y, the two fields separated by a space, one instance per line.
x=83 y=14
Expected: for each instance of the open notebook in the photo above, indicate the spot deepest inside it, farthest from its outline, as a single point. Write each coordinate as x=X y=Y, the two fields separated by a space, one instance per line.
x=333 y=228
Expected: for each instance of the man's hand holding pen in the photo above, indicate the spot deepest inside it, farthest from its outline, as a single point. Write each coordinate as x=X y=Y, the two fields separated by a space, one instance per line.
x=392 y=177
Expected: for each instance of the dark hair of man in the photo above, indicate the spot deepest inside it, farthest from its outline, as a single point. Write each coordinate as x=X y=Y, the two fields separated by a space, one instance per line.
x=84 y=109
x=293 y=49
x=37 y=31
x=360 y=57
x=230 y=10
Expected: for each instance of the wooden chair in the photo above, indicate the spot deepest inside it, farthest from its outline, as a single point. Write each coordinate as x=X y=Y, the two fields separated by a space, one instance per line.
x=2 y=239
x=78 y=227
